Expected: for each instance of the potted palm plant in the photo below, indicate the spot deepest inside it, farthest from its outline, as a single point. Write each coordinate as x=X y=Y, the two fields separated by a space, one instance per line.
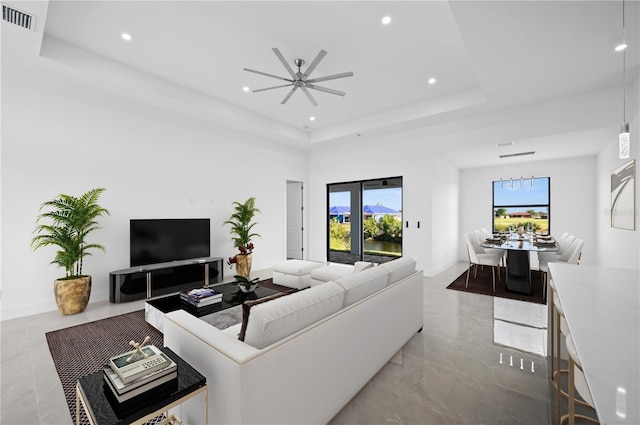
x=65 y=222
x=241 y=231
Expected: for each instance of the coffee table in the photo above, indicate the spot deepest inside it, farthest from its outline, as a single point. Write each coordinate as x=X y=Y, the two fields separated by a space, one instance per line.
x=156 y=308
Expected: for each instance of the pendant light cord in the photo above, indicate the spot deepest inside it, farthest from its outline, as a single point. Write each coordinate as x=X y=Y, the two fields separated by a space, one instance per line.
x=624 y=71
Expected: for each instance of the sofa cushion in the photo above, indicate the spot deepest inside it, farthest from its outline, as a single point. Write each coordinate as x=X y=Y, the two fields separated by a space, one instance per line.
x=359 y=266
x=400 y=268
x=271 y=321
x=296 y=267
x=360 y=285
x=247 y=305
x=331 y=272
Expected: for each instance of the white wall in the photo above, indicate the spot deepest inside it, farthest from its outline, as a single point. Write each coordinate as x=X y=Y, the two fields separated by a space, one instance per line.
x=445 y=231
x=55 y=144
x=573 y=200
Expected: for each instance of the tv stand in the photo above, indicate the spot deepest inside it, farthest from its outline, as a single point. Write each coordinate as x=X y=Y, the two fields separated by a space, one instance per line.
x=146 y=281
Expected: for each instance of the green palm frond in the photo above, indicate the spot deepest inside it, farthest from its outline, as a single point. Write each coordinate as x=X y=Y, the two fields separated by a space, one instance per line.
x=65 y=222
x=240 y=222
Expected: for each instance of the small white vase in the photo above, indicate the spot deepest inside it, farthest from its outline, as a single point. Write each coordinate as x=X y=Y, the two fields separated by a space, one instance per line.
x=249 y=289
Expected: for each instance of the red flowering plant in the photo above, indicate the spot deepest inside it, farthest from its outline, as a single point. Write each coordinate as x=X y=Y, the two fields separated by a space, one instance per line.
x=244 y=250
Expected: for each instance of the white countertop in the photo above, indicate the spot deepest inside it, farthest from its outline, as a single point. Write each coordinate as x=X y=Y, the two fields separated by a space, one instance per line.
x=602 y=309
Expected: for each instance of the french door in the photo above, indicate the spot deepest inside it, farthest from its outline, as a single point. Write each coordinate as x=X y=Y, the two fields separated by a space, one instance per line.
x=364 y=220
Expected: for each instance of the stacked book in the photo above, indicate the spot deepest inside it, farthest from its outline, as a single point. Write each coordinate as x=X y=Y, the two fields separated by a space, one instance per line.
x=129 y=383
x=201 y=297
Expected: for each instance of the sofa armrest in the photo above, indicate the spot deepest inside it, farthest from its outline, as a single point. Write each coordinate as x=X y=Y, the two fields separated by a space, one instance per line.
x=226 y=344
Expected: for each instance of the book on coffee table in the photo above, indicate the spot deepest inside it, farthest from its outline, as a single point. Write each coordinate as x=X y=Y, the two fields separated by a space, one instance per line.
x=201 y=297
x=125 y=393
x=138 y=366
x=147 y=382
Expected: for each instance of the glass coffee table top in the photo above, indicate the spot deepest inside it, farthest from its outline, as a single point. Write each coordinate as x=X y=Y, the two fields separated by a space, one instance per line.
x=230 y=298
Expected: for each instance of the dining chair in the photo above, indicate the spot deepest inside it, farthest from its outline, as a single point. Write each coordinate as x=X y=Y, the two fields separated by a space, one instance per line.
x=563 y=242
x=577 y=383
x=480 y=259
x=570 y=255
x=482 y=235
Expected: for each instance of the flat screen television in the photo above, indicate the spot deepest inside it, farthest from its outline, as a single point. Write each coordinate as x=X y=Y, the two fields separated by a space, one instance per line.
x=154 y=241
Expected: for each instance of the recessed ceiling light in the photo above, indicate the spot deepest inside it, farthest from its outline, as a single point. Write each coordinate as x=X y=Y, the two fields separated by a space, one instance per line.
x=620 y=47
x=126 y=36
x=386 y=20
x=246 y=89
x=432 y=80
x=312 y=118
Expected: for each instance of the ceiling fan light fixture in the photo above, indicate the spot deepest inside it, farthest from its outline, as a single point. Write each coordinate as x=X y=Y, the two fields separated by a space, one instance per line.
x=300 y=80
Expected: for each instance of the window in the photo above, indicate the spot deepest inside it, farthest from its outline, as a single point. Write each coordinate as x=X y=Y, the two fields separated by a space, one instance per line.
x=374 y=233
x=522 y=202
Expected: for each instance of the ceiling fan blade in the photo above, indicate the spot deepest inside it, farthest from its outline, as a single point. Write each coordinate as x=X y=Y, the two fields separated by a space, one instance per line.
x=268 y=75
x=324 y=89
x=330 y=77
x=284 y=62
x=293 y=90
x=311 y=99
x=271 y=88
x=313 y=64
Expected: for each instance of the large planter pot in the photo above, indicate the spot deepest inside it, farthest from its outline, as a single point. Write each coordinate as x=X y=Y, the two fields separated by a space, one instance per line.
x=72 y=295
x=243 y=265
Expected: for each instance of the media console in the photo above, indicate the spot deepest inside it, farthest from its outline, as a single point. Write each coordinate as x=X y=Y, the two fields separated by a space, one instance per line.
x=151 y=280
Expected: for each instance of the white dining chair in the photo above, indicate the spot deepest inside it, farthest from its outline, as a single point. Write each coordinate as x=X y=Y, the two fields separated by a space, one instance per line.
x=563 y=242
x=482 y=235
x=570 y=255
x=480 y=259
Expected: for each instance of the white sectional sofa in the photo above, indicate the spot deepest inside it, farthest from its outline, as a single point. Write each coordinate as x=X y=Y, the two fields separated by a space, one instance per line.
x=304 y=355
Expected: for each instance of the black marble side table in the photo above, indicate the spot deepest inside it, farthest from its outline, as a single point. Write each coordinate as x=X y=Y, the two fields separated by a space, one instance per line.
x=90 y=394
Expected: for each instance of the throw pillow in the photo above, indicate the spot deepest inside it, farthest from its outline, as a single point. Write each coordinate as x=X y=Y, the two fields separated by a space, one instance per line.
x=246 y=309
x=359 y=266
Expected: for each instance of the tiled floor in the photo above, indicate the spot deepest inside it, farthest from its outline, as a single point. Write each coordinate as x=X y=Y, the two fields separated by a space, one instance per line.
x=461 y=369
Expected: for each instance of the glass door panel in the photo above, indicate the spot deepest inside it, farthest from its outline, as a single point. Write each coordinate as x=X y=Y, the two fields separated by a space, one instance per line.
x=343 y=236
x=382 y=219
x=364 y=221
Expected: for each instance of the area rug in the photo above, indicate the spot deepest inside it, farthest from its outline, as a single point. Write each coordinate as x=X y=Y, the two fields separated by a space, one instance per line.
x=483 y=284
x=80 y=350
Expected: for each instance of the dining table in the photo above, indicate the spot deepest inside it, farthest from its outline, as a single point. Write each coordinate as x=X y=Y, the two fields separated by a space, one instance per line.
x=602 y=309
x=517 y=247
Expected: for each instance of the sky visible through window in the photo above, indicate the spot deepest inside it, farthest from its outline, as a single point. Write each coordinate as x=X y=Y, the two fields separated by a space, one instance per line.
x=390 y=197
x=538 y=195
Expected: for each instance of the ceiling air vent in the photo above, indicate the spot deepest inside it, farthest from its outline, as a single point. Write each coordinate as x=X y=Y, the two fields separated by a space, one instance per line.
x=16 y=17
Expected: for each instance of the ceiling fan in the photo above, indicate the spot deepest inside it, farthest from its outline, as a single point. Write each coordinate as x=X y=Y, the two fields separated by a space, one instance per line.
x=300 y=80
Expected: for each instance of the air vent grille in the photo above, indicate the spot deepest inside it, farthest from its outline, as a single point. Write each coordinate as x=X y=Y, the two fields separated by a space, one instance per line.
x=16 y=17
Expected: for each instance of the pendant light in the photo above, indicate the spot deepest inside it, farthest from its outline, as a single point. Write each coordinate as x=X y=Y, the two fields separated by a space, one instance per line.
x=623 y=138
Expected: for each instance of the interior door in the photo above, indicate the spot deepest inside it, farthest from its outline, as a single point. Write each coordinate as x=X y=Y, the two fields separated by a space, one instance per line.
x=294 y=221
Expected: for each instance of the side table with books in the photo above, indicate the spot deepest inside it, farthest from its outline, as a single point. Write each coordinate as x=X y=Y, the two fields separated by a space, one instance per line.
x=133 y=393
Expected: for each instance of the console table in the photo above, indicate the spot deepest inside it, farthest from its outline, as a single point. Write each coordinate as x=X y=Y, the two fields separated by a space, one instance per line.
x=151 y=280
x=90 y=395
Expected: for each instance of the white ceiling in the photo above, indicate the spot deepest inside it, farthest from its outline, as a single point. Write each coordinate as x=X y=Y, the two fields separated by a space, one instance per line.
x=187 y=57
